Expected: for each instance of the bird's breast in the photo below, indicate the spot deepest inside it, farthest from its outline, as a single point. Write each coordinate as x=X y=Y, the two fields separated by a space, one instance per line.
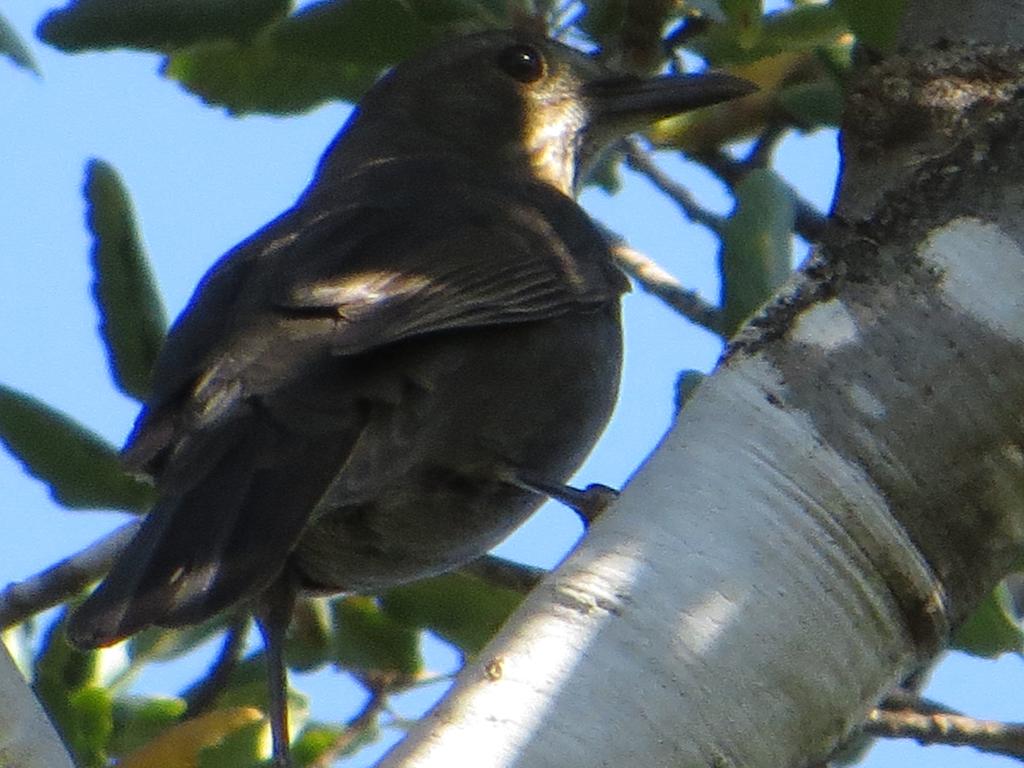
x=426 y=487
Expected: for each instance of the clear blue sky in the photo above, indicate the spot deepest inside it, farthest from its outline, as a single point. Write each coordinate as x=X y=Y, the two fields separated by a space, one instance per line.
x=200 y=182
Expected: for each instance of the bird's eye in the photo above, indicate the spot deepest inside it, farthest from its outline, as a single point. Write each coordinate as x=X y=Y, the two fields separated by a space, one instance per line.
x=522 y=62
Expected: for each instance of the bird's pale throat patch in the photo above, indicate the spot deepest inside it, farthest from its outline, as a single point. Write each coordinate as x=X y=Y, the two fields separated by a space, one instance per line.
x=552 y=157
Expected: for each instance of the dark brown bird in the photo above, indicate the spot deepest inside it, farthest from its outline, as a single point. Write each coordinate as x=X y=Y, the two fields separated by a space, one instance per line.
x=373 y=387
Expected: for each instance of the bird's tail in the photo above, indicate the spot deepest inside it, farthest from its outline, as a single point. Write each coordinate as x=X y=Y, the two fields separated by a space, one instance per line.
x=222 y=541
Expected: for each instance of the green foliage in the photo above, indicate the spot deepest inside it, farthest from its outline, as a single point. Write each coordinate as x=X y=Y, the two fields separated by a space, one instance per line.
x=370 y=641
x=260 y=76
x=874 y=22
x=813 y=104
x=159 y=644
x=747 y=37
x=13 y=48
x=993 y=629
x=260 y=56
x=138 y=720
x=156 y=25
x=756 y=255
x=81 y=469
x=240 y=748
x=132 y=318
x=66 y=681
x=462 y=609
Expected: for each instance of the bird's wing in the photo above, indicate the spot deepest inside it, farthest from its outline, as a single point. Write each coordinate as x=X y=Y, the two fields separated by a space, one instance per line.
x=250 y=418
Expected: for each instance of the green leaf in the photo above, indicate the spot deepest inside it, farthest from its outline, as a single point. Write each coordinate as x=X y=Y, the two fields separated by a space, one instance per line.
x=317 y=739
x=310 y=641
x=368 y=640
x=464 y=610
x=160 y=644
x=13 y=48
x=60 y=675
x=92 y=725
x=376 y=33
x=801 y=28
x=329 y=50
x=745 y=13
x=992 y=629
x=756 y=251
x=138 y=720
x=813 y=105
x=874 y=22
x=247 y=687
x=81 y=469
x=185 y=744
x=158 y=25
x=240 y=748
x=260 y=76
x=603 y=18
x=132 y=318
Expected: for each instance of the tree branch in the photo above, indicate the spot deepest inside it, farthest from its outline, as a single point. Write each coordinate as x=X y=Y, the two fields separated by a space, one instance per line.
x=809 y=222
x=654 y=279
x=946 y=728
x=641 y=161
x=65 y=579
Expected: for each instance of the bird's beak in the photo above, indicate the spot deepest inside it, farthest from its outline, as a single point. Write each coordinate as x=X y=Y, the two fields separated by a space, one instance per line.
x=620 y=104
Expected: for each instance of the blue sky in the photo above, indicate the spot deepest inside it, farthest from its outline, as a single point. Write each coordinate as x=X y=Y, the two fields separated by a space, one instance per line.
x=200 y=182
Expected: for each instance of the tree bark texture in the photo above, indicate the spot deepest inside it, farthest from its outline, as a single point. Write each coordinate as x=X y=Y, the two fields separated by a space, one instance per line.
x=842 y=491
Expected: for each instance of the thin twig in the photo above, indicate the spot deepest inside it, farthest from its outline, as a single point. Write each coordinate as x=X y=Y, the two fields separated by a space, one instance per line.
x=202 y=696
x=355 y=727
x=499 y=572
x=641 y=161
x=808 y=221
x=943 y=728
x=760 y=154
x=654 y=279
x=901 y=700
x=65 y=579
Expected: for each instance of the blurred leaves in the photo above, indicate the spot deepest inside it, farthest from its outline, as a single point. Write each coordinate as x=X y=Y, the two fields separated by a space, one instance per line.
x=462 y=609
x=159 y=644
x=81 y=469
x=261 y=76
x=156 y=25
x=138 y=720
x=132 y=318
x=874 y=22
x=232 y=737
x=372 y=642
x=992 y=629
x=13 y=48
x=66 y=681
x=747 y=37
x=259 y=56
x=756 y=255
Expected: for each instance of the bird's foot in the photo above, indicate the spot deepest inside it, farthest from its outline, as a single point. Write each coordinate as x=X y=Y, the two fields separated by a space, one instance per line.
x=588 y=502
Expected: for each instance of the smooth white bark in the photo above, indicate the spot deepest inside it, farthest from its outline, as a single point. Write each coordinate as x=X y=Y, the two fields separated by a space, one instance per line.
x=845 y=486
x=655 y=645
x=27 y=738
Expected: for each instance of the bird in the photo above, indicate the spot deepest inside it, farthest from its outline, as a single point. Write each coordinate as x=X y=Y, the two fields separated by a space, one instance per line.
x=387 y=379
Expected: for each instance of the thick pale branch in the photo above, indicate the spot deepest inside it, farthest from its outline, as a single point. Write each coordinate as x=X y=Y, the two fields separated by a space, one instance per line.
x=27 y=738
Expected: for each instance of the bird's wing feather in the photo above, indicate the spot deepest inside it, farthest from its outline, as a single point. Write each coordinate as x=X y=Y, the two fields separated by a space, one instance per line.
x=238 y=473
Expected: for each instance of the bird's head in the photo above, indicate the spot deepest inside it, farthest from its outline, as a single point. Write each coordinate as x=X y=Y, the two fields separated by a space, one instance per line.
x=516 y=102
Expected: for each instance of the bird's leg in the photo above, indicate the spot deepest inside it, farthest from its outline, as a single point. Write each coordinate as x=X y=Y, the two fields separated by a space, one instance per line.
x=274 y=615
x=588 y=503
